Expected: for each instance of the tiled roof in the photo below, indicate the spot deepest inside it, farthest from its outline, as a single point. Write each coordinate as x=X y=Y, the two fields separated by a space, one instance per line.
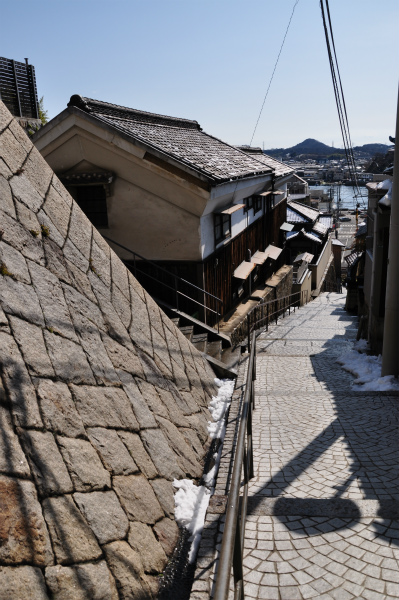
x=310 y=214
x=327 y=221
x=320 y=228
x=181 y=139
x=294 y=217
x=280 y=168
x=353 y=257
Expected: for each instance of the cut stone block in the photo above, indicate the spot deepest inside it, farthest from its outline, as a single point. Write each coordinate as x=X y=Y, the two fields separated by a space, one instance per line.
x=23 y=533
x=104 y=407
x=137 y=498
x=127 y=568
x=143 y=541
x=167 y=533
x=112 y=451
x=22 y=240
x=123 y=357
x=165 y=493
x=12 y=152
x=17 y=583
x=163 y=457
x=55 y=261
x=121 y=305
x=12 y=459
x=58 y=210
x=15 y=262
x=135 y=446
x=68 y=359
x=84 y=465
x=25 y=193
x=72 y=539
x=38 y=171
x=48 y=468
x=152 y=398
x=104 y=514
x=28 y=219
x=30 y=339
x=187 y=457
x=20 y=300
x=58 y=409
x=52 y=301
x=90 y=581
x=7 y=203
x=80 y=230
x=142 y=412
x=20 y=390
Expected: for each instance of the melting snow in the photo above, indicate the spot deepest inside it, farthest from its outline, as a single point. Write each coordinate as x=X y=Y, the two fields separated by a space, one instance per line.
x=191 y=501
x=367 y=370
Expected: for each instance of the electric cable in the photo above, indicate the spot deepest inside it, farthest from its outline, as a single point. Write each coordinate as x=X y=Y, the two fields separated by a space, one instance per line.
x=340 y=98
x=274 y=70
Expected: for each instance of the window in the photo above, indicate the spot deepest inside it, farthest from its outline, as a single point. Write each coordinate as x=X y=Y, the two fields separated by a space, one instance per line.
x=92 y=200
x=257 y=204
x=222 y=227
x=248 y=203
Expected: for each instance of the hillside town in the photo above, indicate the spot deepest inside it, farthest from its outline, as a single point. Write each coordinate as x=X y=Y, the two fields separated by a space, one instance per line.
x=190 y=329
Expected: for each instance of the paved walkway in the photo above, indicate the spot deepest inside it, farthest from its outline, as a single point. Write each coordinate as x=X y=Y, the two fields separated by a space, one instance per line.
x=321 y=521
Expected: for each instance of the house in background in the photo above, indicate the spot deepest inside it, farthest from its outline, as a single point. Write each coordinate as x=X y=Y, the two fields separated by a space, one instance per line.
x=170 y=192
x=311 y=235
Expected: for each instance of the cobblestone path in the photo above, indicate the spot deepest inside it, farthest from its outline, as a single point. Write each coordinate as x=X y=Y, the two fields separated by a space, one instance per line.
x=322 y=507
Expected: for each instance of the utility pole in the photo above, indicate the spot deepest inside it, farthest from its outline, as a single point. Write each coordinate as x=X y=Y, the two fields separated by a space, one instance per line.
x=390 y=346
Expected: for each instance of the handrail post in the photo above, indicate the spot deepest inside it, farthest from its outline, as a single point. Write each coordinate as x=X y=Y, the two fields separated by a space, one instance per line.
x=249 y=335
x=176 y=293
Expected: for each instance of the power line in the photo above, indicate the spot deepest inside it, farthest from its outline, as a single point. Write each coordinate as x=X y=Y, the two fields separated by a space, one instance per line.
x=339 y=96
x=274 y=70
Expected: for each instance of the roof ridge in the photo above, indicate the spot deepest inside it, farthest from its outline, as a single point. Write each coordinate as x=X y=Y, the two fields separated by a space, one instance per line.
x=91 y=105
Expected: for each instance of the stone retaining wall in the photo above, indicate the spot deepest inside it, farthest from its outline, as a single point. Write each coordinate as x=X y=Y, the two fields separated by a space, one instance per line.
x=103 y=402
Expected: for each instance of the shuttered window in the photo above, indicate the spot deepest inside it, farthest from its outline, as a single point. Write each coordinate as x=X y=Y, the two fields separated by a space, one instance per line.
x=92 y=200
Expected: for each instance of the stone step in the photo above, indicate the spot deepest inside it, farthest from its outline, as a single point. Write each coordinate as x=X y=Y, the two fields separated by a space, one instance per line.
x=187 y=331
x=199 y=340
x=214 y=349
x=231 y=357
x=175 y=321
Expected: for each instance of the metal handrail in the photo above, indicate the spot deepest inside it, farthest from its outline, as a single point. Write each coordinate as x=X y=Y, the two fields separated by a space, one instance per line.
x=176 y=279
x=231 y=553
x=284 y=303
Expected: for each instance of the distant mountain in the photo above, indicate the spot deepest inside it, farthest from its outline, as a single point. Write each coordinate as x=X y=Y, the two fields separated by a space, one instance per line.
x=313 y=148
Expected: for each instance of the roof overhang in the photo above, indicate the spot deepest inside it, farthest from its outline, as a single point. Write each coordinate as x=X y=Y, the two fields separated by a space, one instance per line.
x=244 y=270
x=273 y=252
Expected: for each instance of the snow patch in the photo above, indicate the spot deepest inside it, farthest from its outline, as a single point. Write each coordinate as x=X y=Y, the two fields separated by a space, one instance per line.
x=191 y=501
x=367 y=370
x=218 y=407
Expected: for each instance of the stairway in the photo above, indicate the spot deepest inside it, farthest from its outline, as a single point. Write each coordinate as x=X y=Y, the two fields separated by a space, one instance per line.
x=215 y=346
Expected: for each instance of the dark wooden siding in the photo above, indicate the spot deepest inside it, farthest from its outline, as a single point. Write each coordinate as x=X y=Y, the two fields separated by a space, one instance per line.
x=220 y=266
x=215 y=274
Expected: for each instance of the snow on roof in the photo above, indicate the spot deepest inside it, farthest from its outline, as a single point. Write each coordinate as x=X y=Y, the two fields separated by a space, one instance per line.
x=294 y=217
x=385 y=185
x=310 y=214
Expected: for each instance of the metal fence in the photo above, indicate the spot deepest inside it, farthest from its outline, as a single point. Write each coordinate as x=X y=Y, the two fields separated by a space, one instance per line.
x=231 y=553
x=267 y=312
x=175 y=289
x=18 y=88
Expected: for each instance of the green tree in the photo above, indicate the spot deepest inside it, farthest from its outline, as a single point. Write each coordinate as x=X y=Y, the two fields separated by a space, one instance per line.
x=43 y=114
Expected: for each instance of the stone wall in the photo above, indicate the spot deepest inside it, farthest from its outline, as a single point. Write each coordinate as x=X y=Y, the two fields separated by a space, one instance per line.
x=103 y=402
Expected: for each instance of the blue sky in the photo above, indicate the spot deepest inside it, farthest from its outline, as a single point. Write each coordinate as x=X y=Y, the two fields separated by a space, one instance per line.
x=211 y=60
